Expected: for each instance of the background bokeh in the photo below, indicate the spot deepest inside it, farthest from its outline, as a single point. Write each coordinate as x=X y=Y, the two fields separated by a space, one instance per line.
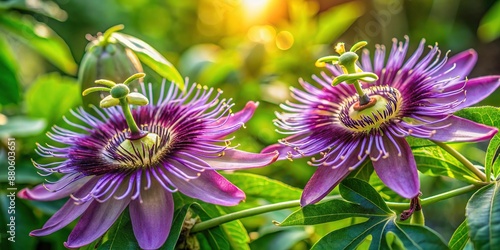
x=251 y=49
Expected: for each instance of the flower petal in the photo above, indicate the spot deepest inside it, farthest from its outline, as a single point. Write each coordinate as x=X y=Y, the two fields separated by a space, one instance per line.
x=95 y=221
x=456 y=129
x=462 y=64
x=326 y=178
x=233 y=122
x=152 y=218
x=210 y=186
x=397 y=169
x=476 y=90
x=67 y=213
x=236 y=159
x=46 y=192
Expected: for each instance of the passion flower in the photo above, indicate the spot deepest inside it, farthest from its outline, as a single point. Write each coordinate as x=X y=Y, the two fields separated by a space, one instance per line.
x=373 y=106
x=138 y=157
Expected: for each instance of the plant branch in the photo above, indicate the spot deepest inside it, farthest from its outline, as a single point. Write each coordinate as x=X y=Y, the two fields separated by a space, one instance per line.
x=204 y=225
x=435 y=198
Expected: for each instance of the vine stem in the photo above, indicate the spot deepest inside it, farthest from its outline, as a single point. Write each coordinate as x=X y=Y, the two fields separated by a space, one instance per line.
x=435 y=198
x=204 y=225
x=463 y=160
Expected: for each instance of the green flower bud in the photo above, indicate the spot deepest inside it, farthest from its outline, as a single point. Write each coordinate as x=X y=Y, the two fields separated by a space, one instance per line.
x=105 y=58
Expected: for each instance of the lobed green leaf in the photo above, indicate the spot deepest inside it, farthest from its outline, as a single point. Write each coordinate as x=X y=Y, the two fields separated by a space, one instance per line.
x=361 y=201
x=362 y=193
x=386 y=233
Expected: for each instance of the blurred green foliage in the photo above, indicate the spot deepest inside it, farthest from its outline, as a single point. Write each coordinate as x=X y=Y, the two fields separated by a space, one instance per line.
x=253 y=50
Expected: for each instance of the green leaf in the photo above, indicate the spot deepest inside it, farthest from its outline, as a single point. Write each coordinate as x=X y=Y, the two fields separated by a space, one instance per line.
x=21 y=126
x=435 y=161
x=281 y=240
x=257 y=186
x=64 y=95
x=489 y=116
x=333 y=22
x=410 y=236
x=483 y=217
x=489 y=29
x=8 y=79
x=492 y=163
x=180 y=217
x=325 y=212
x=151 y=57
x=236 y=235
x=361 y=192
x=460 y=237
x=362 y=201
x=41 y=38
x=120 y=235
x=47 y=8
x=363 y=172
x=349 y=237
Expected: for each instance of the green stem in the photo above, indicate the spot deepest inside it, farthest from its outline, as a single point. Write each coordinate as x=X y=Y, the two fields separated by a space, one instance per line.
x=435 y=198
x=129 y=118
x=463 y=160
x=204 y=225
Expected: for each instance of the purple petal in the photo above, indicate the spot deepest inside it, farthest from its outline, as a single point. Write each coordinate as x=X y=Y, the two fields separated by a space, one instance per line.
x=96 y=220
x=456 y=129
x=236 y=159
x=461 y=63
x=476 y=89
x=67 y=213
x=152 y=219
x=210 y=187
x=397 y=169
x=233 y=122
x=49 y=192
x=326 y=178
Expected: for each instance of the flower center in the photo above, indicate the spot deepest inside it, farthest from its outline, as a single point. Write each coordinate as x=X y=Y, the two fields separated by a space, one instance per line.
x=384 y=105
x=144 y=152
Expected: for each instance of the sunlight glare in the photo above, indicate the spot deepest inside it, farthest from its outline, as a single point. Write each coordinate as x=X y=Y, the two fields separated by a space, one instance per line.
x=254 y=9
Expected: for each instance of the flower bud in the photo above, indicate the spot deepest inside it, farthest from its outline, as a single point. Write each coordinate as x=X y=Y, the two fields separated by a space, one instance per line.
x=106 y=59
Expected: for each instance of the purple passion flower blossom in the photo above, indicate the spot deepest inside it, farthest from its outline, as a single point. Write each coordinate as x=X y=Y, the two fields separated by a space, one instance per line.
x=416 y=97
x=104 y=172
